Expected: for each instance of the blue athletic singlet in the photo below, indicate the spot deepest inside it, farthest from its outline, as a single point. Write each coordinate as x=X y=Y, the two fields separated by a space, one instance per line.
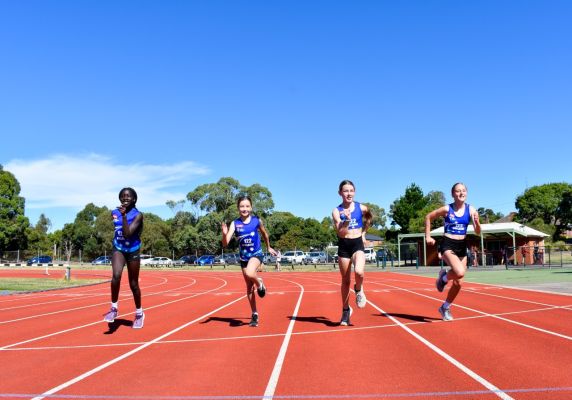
x=457 y=225
x=356 y=216
x=119 y=241
x=248 y=238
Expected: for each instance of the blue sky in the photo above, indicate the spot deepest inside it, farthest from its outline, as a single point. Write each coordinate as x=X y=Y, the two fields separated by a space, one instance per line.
x=293 y=95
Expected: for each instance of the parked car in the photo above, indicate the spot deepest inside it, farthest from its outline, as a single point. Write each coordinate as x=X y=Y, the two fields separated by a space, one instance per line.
x=293 y=257
x=315 y=257
x=369 y=254
x=145 y=258
x=383 y=253
x=160 y=261
x=101 y=260
x=226 y=259
x=207 y=259
x=268 y=259
x=39 y=260
x=186 y=260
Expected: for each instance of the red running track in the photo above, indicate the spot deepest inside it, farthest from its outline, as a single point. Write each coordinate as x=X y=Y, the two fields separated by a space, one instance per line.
x=196 y=343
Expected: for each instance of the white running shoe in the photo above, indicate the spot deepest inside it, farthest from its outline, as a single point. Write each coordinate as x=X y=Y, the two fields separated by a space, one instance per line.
x=360 y=297
x=446 y=313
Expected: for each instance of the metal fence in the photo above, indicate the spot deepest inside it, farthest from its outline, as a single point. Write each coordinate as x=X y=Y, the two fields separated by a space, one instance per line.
x=523 y=257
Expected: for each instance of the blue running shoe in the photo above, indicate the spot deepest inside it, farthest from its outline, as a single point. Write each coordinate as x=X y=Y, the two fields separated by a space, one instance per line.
x=138 y=321
x=111 y=315
x=254 y=320
x=346 y=314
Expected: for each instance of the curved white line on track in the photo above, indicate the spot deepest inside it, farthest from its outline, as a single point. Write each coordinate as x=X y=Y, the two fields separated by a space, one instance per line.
x=42 y=296
x=99 y=322
x=275 y=375
x=83 y=307
x=128 y=354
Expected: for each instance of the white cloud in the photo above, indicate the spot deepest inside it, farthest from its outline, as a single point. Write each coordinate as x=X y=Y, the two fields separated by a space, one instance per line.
x=74 y=181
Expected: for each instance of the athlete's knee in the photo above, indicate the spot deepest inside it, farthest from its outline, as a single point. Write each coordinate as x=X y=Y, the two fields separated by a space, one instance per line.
x=134 y=285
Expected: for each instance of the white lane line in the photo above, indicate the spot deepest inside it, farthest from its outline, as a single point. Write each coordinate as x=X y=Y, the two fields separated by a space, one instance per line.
x=128 y=354
x=100 y=321
x=275 y=375
x=447 y=357
x=125 y=295
x=494 y=390
x=70 y=296
x=528 y=326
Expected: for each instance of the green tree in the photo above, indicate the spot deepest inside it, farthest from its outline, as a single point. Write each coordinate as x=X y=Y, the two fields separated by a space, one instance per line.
x=209 y=239
x=221 y=197
x=38 y=235
x=155 y=238
x=305 y=234
x=413 y=205
x=433 y=200
x=379 y=217
x=541 y=201
x=488 y=216
x=540 y=225
x=278 y=224
x=14 y=226
x=85 y=236
x=564 y=211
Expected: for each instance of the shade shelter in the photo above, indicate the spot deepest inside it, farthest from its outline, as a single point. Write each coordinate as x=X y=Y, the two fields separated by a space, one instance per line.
x=512 y=234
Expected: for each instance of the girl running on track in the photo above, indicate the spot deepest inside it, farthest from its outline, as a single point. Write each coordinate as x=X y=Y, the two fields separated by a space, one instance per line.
x=457 y=216
x=246 y=228
x=128 y=222
x=349 y=224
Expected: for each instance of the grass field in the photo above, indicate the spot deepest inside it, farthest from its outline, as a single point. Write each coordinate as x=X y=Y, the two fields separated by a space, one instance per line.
x=10 y=285
x=518 y=276
x=512 y=277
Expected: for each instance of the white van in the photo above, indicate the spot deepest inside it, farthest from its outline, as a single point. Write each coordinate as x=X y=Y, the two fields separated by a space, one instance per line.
x=369 y=254
x=293 y=257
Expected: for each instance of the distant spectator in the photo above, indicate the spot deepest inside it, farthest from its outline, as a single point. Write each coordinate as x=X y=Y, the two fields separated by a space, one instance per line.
x=278 y=259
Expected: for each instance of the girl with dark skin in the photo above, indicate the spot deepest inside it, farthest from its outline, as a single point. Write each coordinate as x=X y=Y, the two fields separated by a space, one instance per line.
x=128 y=222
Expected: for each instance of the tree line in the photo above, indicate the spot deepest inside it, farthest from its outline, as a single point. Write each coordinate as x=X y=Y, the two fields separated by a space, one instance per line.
x=547 y=208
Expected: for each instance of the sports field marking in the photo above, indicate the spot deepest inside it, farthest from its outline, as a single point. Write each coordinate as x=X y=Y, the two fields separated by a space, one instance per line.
x=270 y=335
x=100 y=321
x=492 y=388
x=76 y=308
x=511 y=298
x=493 y=315
x=463 y=394
x=129 y=353
x=275 y=375
x=72 y=297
